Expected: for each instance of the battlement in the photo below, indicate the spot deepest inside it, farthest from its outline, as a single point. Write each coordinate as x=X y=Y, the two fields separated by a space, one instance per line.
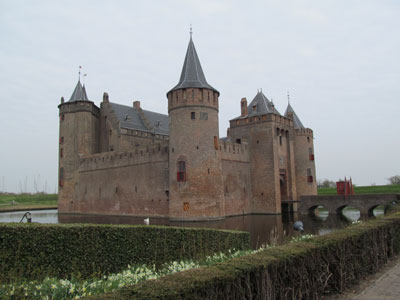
x=108 y=160
x=192 y=97
x=303 y=131
x=77 y=106
x=261 y=118
x=234 y=151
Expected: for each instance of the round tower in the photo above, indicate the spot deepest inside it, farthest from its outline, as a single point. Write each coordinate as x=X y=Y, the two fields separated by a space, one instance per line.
x=195 y=169
x=78 y=136
x=306 y=183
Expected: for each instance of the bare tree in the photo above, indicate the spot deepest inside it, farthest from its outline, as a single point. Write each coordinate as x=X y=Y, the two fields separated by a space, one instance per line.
x=394 y=179
x=326 y=183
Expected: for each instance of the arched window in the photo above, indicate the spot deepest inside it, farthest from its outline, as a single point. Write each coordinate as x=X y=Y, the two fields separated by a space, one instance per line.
x=181 y=175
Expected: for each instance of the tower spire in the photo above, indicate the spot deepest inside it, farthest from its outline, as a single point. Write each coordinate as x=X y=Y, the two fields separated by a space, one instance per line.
x=192 y=75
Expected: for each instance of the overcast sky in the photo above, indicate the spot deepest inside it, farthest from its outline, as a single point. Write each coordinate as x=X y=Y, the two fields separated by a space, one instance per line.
x=338 y=59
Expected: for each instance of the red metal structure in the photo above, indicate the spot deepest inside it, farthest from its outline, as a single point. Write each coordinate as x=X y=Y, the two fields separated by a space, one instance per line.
x=345 y=187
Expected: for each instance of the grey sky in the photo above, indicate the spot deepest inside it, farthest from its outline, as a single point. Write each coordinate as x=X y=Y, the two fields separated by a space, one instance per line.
x=338 y=59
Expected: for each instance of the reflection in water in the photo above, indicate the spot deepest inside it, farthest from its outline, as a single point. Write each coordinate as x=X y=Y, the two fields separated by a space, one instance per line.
x=38 y=216
x=264 y=229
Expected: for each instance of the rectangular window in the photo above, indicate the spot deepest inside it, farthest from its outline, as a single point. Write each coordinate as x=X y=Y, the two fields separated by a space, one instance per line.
x=203 y=116
x=280 y=140
x=311 y=154
x=216 y=142
x=193 y=115
x=61 y=152
x=310 y=178
x=181 y=174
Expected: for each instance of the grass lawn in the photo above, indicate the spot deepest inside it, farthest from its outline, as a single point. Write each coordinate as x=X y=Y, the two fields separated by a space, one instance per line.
x=376 y=189
x=27 y=201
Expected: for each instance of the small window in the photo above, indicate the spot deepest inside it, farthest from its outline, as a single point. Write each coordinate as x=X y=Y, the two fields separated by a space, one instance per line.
x=61 y=152
x=280 y=140
x=193 y=115
x=310 y=178
x=311 y=154
x=192 y=94
x=203 y=116
x=308 y=139
x=216 y=142
x=62 y=117
x=181 y=174
x=61 y=140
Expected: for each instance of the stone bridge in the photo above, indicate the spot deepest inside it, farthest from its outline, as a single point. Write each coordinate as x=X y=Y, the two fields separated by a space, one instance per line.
x=335 y=203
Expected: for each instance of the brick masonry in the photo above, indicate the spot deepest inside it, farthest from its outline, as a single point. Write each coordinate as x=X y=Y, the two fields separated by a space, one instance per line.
x=105 y=168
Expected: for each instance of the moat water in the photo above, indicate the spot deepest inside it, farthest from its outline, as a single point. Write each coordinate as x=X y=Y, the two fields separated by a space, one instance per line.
x=264 y=229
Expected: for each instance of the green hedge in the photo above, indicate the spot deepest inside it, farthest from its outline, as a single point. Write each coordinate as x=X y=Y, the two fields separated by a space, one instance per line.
x=39 y=250
x=303 y=270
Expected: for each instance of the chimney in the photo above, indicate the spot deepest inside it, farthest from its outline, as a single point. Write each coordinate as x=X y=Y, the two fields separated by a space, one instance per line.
x=136 y=104
x=62 y=100
x=105 y=97
x=243 y=107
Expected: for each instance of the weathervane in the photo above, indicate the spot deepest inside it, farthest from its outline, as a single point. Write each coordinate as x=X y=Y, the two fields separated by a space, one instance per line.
x=79 y=72
x=288 y=97
x=191 y=31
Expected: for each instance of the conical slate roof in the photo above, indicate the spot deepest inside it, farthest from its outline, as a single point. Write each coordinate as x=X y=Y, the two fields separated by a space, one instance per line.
x=263 y=105
x=296 y=121
x=79 y=93
x=192 y=75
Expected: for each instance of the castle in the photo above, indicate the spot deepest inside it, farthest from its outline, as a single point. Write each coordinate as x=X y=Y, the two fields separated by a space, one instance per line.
x=126 y=160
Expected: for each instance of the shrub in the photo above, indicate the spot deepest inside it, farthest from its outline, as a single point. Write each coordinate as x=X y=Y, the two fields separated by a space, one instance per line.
x=300 y=270
x=39 y=250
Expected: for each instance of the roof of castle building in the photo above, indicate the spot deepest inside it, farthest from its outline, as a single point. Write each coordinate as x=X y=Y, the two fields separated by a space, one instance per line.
x=296 y=121
x=79 y=93
x=263 y=105
x=260 y=105
x=140 y=119
x=192 y=75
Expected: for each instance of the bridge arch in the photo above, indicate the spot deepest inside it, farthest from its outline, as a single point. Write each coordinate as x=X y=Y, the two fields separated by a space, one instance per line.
x=319 y=212
x=342 y=209
x=372 y=208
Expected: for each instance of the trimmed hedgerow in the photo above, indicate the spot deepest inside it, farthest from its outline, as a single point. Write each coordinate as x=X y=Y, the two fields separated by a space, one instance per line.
x=39 y=250
x=301 y=270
